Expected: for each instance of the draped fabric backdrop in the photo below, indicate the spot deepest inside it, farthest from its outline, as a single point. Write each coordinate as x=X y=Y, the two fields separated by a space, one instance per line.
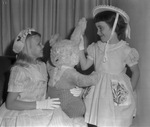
x=48 y=17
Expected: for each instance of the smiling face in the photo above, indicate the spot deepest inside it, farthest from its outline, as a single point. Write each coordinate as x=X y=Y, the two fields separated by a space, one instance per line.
x=103 y=30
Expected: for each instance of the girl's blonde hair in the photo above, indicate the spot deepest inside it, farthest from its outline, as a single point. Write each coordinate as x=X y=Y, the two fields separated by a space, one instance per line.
x=23 y=59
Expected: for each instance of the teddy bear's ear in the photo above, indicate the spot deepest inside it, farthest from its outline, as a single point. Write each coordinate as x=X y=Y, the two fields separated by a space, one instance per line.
x=54 y=39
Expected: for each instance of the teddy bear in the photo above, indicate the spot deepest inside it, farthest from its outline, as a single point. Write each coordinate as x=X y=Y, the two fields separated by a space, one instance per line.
x=64 y=55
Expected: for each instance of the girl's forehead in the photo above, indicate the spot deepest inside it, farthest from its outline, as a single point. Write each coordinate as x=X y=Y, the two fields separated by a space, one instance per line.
x=34 y=38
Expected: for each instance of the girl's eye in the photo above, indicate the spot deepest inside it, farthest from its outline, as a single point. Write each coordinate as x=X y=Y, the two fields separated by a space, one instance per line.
x=100 y=28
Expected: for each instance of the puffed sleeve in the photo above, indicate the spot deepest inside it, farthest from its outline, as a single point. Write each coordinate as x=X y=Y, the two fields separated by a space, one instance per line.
x=132 y=57
x=91 y=51
x=17 y=80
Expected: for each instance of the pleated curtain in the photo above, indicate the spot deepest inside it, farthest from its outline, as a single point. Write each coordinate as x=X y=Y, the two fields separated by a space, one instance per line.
x=48 y=17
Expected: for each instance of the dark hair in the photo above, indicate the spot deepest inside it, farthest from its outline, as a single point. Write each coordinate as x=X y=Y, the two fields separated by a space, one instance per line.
x=22 y=58
x=109 y=18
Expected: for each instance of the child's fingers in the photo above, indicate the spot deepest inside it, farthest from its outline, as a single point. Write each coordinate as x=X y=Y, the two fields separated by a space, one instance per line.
x=53 y=98
x=55 y=101
x=55 y=106
x=76 y=91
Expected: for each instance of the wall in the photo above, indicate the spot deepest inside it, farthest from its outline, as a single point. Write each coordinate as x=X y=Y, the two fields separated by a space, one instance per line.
x=139 y=12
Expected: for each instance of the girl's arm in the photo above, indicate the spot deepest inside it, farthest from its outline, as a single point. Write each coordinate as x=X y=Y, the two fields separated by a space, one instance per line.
x=135 y=75
x=85 y=62
x=87 y=80
x=13 y=104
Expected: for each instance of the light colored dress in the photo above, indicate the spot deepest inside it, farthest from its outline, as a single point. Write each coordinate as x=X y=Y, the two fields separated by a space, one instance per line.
x=111 y=102
x=31 y=83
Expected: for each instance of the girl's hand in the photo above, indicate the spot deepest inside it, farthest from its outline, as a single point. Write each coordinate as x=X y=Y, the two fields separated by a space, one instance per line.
x=81 y=44
x=48 y=103
x=82 y=24
x=76 y=91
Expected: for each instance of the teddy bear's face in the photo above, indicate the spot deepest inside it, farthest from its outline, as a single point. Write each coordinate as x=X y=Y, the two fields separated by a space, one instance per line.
x=64 y=53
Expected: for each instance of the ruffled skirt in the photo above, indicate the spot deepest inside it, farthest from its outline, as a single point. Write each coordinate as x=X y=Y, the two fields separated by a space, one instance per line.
x=111 y=102
x=40 y=118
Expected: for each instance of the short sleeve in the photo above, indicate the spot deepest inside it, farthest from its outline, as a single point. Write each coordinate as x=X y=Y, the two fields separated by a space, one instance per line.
x=17 y=80
x=132 y=57
x=91 y=51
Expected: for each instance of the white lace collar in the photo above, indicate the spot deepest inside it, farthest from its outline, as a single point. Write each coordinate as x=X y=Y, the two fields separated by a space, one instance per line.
x=111 y=46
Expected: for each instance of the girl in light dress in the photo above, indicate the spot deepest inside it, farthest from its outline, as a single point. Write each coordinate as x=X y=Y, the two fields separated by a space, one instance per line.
x=27 y=103
x=111 y=102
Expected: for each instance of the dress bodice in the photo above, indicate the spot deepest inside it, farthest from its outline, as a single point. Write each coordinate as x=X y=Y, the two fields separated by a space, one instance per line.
x=30 y=82
x=118 y=55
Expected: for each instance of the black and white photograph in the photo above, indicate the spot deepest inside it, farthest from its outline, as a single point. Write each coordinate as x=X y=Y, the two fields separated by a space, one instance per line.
x=74 y=63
